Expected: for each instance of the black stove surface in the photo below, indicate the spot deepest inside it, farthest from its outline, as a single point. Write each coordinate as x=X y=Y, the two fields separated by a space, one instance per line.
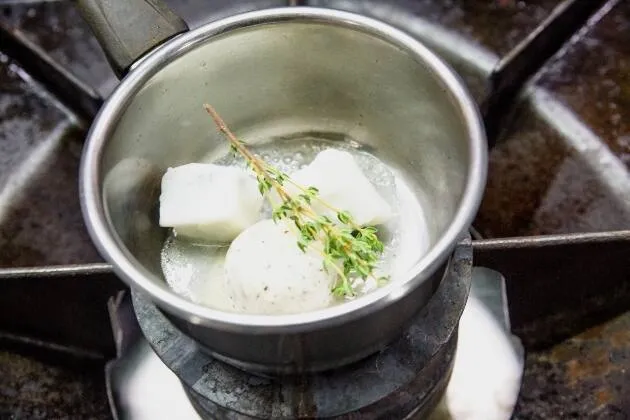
x=552 y=80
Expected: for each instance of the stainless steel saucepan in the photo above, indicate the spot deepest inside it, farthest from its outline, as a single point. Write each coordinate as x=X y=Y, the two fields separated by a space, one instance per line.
x=275 y=72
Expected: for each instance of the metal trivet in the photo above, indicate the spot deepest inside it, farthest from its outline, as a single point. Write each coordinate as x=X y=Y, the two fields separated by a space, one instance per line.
x=405 y=380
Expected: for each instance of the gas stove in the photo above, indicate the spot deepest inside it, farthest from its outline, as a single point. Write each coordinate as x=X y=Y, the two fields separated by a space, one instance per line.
x=551 y=81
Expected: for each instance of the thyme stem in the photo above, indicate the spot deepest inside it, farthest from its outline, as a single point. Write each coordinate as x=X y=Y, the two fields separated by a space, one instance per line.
x=347 y=248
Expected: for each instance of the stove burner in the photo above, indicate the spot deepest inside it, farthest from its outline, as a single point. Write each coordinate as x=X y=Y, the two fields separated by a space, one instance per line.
x=405 y=380
x=558 y=285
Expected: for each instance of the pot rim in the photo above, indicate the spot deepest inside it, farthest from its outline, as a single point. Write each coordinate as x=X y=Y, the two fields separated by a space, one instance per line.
x=136 y=276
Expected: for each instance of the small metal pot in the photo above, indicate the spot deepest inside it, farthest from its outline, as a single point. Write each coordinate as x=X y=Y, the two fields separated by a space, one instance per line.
x=277 y=72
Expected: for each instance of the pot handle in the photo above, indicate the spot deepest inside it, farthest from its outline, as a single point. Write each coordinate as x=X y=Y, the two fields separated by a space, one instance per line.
x=128 y=29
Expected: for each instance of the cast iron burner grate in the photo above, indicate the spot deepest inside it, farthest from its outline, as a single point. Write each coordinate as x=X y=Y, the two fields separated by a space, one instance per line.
x=524 y=70
x=406 y=380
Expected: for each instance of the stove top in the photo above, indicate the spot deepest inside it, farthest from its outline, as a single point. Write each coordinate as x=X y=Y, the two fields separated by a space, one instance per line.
x=161 y=374
x=551 y=79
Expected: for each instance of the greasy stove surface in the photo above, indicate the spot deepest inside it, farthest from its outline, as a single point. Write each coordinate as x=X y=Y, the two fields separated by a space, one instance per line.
x=560 y=165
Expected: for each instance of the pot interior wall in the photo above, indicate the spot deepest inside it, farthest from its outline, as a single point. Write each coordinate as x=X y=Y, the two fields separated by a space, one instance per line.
x=284 y=80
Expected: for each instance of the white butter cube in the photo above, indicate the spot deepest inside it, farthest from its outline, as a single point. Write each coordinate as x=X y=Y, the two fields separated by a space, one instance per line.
x=266 y=272
x=209 y=202
x=342 y=184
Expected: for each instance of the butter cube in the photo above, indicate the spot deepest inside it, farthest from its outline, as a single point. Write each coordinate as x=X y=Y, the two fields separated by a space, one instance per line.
x=342 y=184
x=209 y=202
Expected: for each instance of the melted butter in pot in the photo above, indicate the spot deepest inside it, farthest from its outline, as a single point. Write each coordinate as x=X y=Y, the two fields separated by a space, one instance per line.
x=197 y=271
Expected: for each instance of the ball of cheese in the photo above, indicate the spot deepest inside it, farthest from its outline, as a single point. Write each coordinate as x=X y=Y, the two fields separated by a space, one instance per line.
x=266 y=272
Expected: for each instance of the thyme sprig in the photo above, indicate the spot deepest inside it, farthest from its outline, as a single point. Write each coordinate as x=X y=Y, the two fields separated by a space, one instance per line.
x=348 y=249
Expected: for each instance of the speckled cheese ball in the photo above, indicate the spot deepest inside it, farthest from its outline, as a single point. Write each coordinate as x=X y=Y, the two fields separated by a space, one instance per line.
x=266 y=273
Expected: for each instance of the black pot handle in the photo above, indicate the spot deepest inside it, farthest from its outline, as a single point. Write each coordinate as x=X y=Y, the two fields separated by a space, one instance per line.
x=128 y=29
